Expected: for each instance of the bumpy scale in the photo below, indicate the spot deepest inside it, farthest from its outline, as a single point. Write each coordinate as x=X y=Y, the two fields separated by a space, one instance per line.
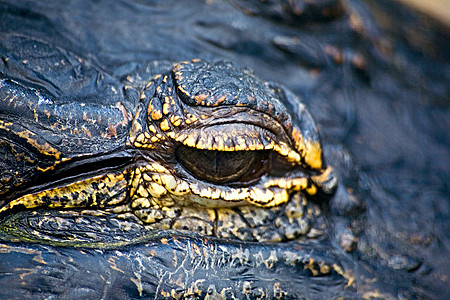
x=216 y=151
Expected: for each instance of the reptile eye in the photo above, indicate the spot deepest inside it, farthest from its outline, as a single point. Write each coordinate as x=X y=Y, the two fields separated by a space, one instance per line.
x=221 y=166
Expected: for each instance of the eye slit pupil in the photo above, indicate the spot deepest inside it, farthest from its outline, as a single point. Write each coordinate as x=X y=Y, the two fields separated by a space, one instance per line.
x=217 y=162
x=218 y=167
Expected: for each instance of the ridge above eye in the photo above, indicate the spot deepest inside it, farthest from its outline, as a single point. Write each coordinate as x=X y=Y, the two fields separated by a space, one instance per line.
x=221 y=167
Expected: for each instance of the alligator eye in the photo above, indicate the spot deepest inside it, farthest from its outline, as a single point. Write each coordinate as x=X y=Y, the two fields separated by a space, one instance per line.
x=221 y=166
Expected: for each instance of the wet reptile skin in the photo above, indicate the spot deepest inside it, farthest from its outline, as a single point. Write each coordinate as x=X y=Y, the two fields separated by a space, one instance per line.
x=260 y=154
x=166 y=150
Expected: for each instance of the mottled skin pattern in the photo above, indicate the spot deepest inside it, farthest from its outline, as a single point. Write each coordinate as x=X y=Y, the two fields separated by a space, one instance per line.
x=137 y=161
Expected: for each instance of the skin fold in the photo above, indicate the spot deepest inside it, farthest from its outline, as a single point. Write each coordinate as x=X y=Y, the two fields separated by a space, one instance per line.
x=222 y=150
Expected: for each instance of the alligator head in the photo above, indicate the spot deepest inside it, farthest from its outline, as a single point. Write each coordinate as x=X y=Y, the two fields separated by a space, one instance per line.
x=216 y=151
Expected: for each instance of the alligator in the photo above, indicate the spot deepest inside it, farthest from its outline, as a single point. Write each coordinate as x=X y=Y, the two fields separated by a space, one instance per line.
x=223 y=150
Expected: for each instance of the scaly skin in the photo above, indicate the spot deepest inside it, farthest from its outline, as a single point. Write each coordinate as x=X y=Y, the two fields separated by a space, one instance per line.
x=161 y=194
x=235 y=114
x=130 y=169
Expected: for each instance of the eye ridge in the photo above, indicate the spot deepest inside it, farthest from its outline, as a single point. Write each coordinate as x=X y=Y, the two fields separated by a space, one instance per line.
x=221 y=167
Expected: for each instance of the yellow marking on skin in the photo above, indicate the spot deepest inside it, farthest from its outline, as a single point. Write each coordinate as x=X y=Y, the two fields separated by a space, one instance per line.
x=156 y=178
x=156 y=190
x=168 y=181
x=165 y=294
x=164 y=125
x=175 y=120
x=36 y=117
x=240 y=143
x=190 y=141
x=135 y=126
x=296 y=136
x=145 y=203
x=181 y=189
x=312 y=190
x=220 y=99
x=136 y=144
x=150 y=107
x=141 y=138
x=116 y=177
x=310 y=266
x=30 y=137
x=182 y=90
x=157 y=76
x=75 y=194
x=149 y=84
x=299 y=184
x=293 y=156
x=347 y=275
x=142 y=191
x=280 y=197
x=202 y=143
x=215 y=194
x=263 y=196
x=201 y=97
x=140 y=202
x=338 y=269
x=227 y=148
x=251 y=144
x=227 y=196
x=159 y=168
x=180 y=137
x=166 y=107
x=164 y=201
x=282 y=183
x=146 y=177
x=282 y=149
x=270 y=146
x=324 y=268
x=313 y=155
x=165 y=79
x=171 y=134
x=147 y=135
x=152 y=128
x=205 y=193
x=154 y=139
x=135 y=182
x=324 y=176
x=156 y=114
x=43 y=170
x=194 y=188
x=219 y=143
x=190 y=119
x=235 y=195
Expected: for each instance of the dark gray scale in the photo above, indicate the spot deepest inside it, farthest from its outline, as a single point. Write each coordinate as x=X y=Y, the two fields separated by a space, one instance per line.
x=60 y=117
x=374 y=74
